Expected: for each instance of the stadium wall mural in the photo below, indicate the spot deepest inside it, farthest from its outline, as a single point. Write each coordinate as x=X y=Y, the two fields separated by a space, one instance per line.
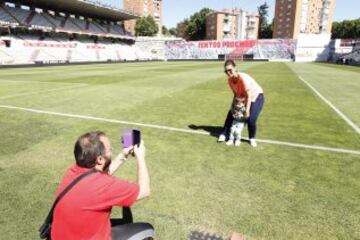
x=256 y=49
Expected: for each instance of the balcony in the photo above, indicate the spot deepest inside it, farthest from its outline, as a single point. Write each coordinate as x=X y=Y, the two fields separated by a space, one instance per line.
x=251 y=20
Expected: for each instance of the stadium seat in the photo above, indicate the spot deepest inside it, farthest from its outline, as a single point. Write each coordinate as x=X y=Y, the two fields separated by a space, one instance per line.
x=39 y=20
x=5 y=18
x=75 y=24
x=102 y=27
x=55 y=20
x=20 y=14
x=93 y=28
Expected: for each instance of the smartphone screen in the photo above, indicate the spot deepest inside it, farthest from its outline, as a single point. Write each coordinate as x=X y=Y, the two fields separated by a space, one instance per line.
x=136 y=137
x=127 y=137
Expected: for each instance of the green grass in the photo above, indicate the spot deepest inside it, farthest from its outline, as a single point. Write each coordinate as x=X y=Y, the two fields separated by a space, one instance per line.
x=339 y=85
x=271 y=192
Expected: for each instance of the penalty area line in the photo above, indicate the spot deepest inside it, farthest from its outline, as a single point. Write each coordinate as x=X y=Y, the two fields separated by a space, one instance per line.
x=274 y=142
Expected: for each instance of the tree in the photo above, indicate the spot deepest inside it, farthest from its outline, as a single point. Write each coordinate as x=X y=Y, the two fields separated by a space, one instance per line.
x=146 y=26
x=265 y=29
x=165 y=31
x=181 y=29
x=346 y=29
x=196 y=28
x=172 y=31
x=263 y=13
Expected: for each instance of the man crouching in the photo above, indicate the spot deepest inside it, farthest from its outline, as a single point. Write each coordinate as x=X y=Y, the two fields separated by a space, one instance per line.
x=84 y=212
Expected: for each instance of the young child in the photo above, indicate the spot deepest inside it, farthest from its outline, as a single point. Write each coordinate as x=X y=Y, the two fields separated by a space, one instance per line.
x=238 y=110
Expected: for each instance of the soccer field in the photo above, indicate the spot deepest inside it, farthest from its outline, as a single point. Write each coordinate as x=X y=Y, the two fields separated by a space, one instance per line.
x=301 y=182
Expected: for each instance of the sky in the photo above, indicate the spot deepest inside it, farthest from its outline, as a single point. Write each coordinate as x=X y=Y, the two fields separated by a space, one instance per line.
x=175 y=11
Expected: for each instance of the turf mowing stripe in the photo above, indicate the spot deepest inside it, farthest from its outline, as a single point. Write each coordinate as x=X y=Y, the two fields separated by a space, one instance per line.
x=331 y=149
x=19 y=81
x=38 y=92
x=342 y=115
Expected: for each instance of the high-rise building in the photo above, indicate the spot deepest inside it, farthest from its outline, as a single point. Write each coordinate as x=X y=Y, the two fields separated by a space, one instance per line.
x=143 y=8
x=235 y=24
x=293 y=17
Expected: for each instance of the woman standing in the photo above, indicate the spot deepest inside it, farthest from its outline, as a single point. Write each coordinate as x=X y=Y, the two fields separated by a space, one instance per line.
x=244 y=86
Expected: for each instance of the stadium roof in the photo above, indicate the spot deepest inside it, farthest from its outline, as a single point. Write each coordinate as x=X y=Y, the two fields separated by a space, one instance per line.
x=84 y=8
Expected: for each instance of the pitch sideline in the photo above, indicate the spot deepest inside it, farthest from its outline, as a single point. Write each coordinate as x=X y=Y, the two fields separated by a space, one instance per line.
x=342 y=115
x=305 y=146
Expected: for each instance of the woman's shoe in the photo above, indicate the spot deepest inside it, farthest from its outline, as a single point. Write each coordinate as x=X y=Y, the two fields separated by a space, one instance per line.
x=253 y=142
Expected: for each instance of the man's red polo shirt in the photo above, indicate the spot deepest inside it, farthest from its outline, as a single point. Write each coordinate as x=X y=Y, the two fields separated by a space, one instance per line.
x=84 y=212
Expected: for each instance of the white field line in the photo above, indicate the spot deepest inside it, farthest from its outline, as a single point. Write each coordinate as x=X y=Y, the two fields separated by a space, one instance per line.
x=40 y=92
x=305 y=146
x=342 y=115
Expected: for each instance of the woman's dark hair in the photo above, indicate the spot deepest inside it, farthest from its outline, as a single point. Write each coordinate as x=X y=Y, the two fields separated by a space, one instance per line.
x=87 y=148
x=229 y=62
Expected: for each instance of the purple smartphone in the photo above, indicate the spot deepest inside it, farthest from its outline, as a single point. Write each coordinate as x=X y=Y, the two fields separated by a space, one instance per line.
x=130 y=137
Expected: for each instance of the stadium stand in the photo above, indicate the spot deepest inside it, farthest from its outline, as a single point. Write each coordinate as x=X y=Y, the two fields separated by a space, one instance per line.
x=80 y=24
x=6 y=18
x=40 y=21
x=352 y=58
x=68 y=25
x=86 y=31
x=182 y=50
x=345 y=51
x=118 y=29
x=99 y=26
x=65 y=23
x=49 y=32
x=153 y=48
x=58 y=50
x=54 y=20
x=274 y=49
x=19 y=14
x=94 y=28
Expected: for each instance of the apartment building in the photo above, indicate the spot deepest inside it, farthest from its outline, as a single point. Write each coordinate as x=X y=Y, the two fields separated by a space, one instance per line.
x=143 y=8
x=235 y=24
x=293 y=17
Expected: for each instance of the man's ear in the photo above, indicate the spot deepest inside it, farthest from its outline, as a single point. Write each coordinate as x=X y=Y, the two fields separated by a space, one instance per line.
x=99 y=160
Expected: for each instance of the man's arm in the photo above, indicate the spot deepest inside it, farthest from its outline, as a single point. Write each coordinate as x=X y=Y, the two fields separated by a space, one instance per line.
x=119 y=160
x=116 y=163
x=143 y=178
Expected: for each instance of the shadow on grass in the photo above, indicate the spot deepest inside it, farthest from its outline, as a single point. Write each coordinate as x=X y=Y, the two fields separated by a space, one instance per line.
x=196 y=235
x=214 y=131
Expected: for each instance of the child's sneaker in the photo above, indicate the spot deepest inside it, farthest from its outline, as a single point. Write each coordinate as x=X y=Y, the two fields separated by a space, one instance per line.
x=237 y=143
x=230 y=142
x=222 y=138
